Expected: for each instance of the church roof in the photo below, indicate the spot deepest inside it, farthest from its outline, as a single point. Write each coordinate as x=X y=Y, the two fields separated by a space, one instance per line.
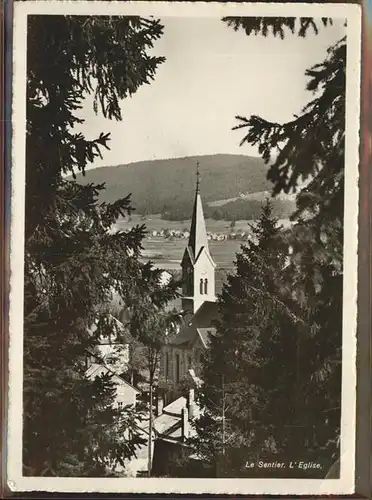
x=205 y=335
x=204 y=316
x=198 y=233
x=201 y=324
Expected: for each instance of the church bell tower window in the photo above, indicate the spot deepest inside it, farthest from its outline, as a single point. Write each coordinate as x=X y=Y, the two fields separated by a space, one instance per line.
x=201 y=287
x=206 y=287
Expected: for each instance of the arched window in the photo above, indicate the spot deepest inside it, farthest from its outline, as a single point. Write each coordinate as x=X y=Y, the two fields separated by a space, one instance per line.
x=199 y=356
x=178 y=368
x=189 y=362
x=206 y=286
x=166 y=365
x=201 y=287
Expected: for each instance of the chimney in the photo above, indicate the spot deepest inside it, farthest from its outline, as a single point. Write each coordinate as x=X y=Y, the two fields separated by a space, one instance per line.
x=191 y=403
x=89 y=360
x=185 y=423
x=159 y=403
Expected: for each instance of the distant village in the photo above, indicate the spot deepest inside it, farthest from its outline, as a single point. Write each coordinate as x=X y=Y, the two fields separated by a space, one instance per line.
x=211 y=236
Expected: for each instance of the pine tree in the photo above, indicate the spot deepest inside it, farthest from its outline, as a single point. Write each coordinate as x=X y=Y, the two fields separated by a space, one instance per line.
x=307 y=157
x=250 y=371
x=74 y=261
x=274 y=365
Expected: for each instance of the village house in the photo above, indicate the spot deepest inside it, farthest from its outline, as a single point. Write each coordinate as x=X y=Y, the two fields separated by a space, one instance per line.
x=126 y=394
x=172 y=428
x=111 y=358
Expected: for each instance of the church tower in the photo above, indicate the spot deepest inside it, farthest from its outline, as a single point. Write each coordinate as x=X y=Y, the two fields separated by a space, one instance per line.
x=198 y=266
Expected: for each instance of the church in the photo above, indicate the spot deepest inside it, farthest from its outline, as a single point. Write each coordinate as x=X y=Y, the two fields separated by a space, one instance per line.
x=181 y=356
x=183 y=353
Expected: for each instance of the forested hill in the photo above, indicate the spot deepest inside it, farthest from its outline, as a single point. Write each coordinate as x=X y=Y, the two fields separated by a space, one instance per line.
x=167 y=186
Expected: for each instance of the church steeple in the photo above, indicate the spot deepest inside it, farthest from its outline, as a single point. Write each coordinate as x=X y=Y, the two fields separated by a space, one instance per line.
x=197 y=264
x=198 y=233
x=197 y=177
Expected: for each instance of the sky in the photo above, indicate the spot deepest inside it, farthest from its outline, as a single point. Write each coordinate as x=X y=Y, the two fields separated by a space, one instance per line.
x=211 y=74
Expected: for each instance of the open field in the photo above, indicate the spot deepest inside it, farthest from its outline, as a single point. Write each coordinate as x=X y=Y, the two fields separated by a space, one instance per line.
x=257 y=196
x=156 y=223
x=167 y=253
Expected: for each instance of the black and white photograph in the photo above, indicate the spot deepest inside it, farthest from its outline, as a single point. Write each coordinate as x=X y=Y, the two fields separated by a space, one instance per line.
x=184 y=247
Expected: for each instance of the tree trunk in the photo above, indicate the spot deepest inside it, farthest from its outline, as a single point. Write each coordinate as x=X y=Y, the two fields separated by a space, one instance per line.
x=149 y=463
x=223 y=424
x=131 y=358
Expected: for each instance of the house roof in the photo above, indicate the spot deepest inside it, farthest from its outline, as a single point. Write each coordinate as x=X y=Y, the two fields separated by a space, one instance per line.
x=168 y=424
x=119 y=325
x=94 y=368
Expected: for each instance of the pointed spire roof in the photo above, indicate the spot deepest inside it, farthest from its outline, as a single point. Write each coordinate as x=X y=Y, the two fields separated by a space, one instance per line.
x=198 y=233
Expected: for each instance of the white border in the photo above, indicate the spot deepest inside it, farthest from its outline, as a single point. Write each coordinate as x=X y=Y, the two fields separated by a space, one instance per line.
x=344 y=485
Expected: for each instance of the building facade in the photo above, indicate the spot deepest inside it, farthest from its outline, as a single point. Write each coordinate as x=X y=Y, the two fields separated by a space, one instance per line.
x=183 y=353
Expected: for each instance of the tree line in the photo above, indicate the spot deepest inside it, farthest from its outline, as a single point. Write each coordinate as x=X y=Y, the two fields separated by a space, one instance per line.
x=240 y=209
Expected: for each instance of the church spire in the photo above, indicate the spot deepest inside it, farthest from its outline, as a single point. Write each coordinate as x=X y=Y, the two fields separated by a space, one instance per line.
x=198 y=266
x=197 y=177
x=198 y=233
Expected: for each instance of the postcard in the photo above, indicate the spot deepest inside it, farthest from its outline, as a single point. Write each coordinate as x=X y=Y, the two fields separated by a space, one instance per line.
x=183 y=247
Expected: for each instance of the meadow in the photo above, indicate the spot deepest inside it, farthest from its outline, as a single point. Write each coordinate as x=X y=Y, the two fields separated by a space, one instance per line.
x=167 y=253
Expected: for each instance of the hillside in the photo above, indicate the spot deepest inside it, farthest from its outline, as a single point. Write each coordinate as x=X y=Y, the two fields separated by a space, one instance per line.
x=167 y=186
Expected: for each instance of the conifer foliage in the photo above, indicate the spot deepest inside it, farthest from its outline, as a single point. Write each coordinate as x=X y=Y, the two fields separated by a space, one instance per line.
x=310 y=160
x=247 y=412
x=74 y=262
x=276 y=358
